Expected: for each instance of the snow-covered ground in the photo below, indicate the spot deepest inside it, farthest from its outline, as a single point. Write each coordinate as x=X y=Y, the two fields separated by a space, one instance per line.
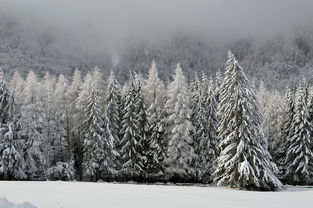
x=100 y=195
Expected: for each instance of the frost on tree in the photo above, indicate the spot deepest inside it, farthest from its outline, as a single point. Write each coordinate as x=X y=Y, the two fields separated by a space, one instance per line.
x=288 y=114
x=131 y=132
x=112 y=114
x=4 y=99
x=273 y=123
x=180 y=153
x=204 y=121
x=61 y=143
x=299 y=155
x=156 y=145
x=12 y=164
x=97 y=158
x=243 y=162
x=75 y=139
x=31 y=121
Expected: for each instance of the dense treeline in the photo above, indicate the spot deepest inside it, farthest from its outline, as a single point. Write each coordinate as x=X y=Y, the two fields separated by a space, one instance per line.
x=91 y=129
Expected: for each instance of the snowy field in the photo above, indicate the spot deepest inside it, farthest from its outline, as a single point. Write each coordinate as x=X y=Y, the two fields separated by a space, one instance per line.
x=100 y=195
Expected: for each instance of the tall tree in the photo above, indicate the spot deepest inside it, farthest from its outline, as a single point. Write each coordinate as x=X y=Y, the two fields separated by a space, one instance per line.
x=49 y=130
x=131 y=146
x=98 y=148
x=288 y=117
x=273 y=121
x=299 y=155
x=76 y=145
x=180 y=153
x=156 y=145
x=62 y=142
x=112 y=117
x=31 y=121
x=243 y=162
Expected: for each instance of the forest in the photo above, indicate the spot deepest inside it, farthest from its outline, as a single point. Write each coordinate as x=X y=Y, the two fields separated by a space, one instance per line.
x=226 y=129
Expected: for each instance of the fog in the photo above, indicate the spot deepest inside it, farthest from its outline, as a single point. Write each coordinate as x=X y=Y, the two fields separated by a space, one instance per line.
x=97 y=25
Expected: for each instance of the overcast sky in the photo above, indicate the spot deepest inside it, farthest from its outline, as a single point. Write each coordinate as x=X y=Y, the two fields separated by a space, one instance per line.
x=114 y=23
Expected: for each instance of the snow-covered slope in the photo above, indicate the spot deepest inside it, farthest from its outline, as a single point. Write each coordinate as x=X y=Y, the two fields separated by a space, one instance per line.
x=99 y=195
x=4 y=203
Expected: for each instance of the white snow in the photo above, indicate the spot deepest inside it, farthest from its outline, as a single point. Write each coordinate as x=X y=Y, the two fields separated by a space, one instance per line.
x=100 y=195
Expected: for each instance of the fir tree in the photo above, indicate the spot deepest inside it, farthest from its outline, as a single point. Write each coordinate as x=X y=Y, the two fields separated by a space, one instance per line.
x=31 y=121
x=273 y=121
x=4 y=99
x=299 y=156
x=12 y=164
x=180 y=153
x=62 y=142
x=49 y=131
x=243 y=162
x=209 y=104
x=131 y=144
x=112 y=117
x=75 y=139
x=97 y=158
x=155 y=148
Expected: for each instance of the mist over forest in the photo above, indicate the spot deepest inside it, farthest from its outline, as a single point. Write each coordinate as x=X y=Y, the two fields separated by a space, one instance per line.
x=272 y=40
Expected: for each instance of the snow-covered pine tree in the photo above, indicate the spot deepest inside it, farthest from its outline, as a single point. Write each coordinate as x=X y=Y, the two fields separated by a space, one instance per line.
x=299 y=155
x=97 y=158
x=131 y=145
x=49 y=130
x=81 y=103
x=112 y=117
x=273 y=121
x=288 y=117
x=76 y=142
x=209 y=104
x=156 y=147
x=243 y=162
x=16 y=85
x=143 y=124
x=5 y=95
x=61 y=144
x=180 y=152
x=31 y=122
x=12 y=164
x=200 y=139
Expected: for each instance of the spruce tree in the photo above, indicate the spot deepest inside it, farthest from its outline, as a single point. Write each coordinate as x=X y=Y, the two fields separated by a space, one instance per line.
x=62 y=142
x=180 y=152
x=243 y=162
x=299 y=155
x=74 y=123
x=131 y=132
x=4 y=99
x=200 y=139
x=155 y=148
x=97 y=158
x=112 y=117
x=273 y=121
x=210 y=111
x=288 y=117
x=49 y=131
x=12 y=164
x=31 y=121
